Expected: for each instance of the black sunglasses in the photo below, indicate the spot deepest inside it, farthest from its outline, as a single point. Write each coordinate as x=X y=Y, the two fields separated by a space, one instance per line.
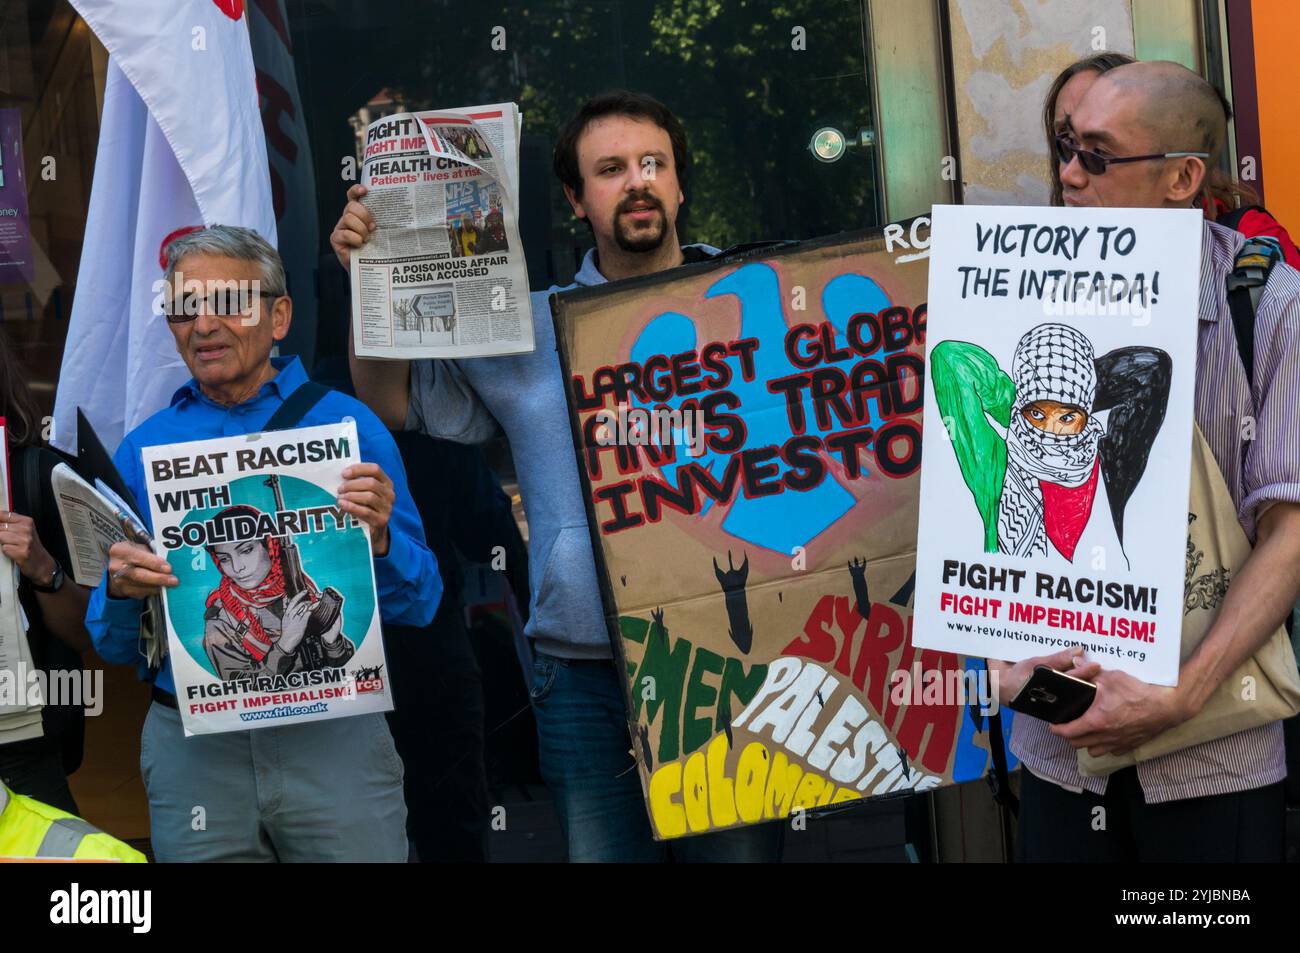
x=223 y=302
x=1095 y=164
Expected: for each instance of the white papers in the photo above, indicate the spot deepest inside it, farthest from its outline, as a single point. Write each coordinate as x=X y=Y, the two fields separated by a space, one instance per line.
x=20 y=701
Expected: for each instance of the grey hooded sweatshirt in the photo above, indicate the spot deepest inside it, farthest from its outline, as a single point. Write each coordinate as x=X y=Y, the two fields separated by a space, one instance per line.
x=467 y=400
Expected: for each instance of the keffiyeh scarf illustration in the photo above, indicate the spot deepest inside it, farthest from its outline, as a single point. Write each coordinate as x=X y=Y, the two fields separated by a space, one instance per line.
x=1052 y=362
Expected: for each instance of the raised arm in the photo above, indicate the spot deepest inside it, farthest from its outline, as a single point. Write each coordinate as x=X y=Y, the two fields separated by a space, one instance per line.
x=382 y=385
x=1133 y=384
x=969 y=388
x=427 y=396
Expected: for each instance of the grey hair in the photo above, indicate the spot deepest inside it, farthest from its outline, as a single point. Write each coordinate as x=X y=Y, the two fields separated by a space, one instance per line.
x=230 y=241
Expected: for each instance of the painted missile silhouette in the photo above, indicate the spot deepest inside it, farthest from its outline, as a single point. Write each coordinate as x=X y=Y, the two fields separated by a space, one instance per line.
x=858 y=573
x=733 y=588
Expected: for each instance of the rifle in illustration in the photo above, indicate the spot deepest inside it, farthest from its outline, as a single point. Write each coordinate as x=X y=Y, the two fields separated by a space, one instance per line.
x=328 y=605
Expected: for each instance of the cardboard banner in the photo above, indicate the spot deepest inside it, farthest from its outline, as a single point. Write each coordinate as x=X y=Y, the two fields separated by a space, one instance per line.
x=275 y=620
x=1062 y=364
x=748 y=431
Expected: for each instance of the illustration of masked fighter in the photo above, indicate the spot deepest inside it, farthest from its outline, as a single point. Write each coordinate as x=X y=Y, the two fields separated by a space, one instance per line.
x=250 y=629
x=1037 y=477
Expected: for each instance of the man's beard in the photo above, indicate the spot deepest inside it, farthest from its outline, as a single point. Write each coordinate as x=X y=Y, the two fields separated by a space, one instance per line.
x=640 y=239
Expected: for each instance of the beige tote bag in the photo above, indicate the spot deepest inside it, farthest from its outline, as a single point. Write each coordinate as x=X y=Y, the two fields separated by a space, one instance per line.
x=1216 y=548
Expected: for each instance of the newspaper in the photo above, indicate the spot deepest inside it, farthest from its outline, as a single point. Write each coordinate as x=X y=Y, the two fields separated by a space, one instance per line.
x=276 y=618
x=443 y=275
x=94 y=518
x=20 y=690
x=20 y=696
x=91 y=523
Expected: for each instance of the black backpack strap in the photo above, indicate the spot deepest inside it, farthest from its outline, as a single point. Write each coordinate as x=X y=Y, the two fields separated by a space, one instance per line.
x=32 y=488
x=1254 y=262
x=296 y=406
x=999 y=778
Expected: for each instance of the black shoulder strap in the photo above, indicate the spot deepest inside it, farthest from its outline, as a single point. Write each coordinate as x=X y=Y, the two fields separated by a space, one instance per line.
x=1254 y=262
x=296 y=406
x=32 y=488
x=999 y=778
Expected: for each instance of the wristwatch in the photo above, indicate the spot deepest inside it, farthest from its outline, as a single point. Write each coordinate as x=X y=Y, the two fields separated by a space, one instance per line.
x=56 y=580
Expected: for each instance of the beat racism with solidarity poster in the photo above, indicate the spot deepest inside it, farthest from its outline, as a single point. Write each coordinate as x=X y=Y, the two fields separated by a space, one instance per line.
x=275 y=620
x=1058 y=417
x=748 y=436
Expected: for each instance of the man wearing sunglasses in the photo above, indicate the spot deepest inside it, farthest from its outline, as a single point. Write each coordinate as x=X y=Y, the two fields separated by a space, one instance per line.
x=1142 y=137
x=1117 y=150
x=329 y=790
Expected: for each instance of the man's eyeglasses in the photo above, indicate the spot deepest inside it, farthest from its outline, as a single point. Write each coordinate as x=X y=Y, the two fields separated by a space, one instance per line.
x=1095 y=164
x=223 y=302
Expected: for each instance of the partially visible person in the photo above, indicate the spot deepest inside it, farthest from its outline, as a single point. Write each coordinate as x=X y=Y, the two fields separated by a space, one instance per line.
x=495 y=226
x=437 y=681
x=1225 y=200
x=438 y=714
x=53 y=605
x=470 y=145
x=1064 y=95
x=319 y=791
x=1235 y=205
x=468 y=237
x=32 y=830
x=623 y=162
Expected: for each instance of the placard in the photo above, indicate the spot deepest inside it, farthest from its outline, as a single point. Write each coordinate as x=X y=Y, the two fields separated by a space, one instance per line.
x=276 y=619
x=1058 y=414
x=748 y=432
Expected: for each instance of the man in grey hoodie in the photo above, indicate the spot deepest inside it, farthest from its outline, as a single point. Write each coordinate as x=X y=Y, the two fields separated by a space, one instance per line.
x=622 y=160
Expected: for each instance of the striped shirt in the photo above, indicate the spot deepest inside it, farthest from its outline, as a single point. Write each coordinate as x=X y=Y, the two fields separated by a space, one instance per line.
x=1258 y=472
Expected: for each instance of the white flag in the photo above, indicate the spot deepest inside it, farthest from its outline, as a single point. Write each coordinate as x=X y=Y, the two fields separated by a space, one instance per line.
x=180 y=147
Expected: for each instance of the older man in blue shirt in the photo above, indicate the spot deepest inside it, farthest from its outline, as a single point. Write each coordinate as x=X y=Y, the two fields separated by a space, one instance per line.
x=329 y=790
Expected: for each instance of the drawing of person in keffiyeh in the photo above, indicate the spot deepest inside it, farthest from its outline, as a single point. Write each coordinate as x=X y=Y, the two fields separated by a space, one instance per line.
x=1032 y=445
x=251 y=626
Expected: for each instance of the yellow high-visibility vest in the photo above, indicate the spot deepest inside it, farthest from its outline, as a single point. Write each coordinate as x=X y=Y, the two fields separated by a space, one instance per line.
x=30 y=829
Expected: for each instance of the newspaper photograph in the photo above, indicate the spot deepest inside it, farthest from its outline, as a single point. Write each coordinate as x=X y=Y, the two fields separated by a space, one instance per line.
x=276 y=619
x=444 y=274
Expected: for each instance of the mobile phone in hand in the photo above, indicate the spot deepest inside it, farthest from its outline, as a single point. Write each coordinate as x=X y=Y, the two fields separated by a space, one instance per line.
x=1054 y=696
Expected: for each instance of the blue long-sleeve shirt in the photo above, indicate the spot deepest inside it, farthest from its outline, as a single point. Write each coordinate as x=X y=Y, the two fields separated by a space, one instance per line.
x=407 y=579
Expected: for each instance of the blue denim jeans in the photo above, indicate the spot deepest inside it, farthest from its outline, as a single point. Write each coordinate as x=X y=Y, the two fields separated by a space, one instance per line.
x=586 y=761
